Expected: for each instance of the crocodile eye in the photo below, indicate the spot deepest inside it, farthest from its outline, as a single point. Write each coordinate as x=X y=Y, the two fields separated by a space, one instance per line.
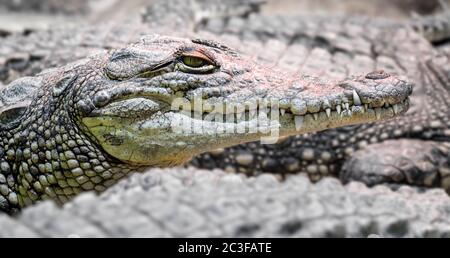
x=193 y=61
x=196 y=62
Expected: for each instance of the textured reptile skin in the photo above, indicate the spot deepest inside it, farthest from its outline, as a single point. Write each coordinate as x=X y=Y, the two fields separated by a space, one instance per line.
x=200 y=203
x=428 y=209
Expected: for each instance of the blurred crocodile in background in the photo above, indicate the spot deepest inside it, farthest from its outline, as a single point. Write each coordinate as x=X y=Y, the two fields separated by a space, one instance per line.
x=46 y=6
x=324 y=48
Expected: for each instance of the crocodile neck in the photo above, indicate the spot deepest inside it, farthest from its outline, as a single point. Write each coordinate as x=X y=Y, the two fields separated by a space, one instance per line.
x=49 y=157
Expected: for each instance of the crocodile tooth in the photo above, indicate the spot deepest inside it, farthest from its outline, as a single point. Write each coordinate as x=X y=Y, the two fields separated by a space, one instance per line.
x=356 y=99
x=366 y=107
x=328 y=111
x=338 y=109
x=395 y=107
x=298 y=122
x=316 y=116
x=378 y=112
x=282 y=111
x=347 y=106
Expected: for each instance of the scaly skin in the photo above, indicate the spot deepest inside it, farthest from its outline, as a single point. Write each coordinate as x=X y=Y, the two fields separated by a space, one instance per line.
x=28 y=53
x=326 y=47
x=436 y=28
x=333 y=48
x=174 y=15
x=178 y=202
x=86 y=125
x=193 y=202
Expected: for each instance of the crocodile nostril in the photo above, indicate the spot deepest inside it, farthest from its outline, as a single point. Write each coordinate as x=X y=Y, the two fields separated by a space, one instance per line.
x=377 y=75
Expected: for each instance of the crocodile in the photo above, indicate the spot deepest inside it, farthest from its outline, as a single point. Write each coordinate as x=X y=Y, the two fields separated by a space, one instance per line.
x=191 y=202
x=412 y=149
x=331 y=47
x=86 y=125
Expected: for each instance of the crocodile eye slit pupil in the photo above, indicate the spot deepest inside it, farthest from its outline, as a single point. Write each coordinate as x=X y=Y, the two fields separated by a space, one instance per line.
x=193 y=61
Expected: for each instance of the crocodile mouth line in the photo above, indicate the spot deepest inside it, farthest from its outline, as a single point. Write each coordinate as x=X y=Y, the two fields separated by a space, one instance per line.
x=143 y=106
x=337 y=112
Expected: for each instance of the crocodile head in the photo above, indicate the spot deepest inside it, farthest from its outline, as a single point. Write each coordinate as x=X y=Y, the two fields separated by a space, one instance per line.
x=162 y=100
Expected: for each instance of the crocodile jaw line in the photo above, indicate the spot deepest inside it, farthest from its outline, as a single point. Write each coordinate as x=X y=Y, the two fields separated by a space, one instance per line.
x=173 y=137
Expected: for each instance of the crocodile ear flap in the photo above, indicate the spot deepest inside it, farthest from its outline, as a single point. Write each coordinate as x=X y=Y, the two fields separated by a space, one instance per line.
x=11 y=114
x=15 y=99
x=61 y=86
